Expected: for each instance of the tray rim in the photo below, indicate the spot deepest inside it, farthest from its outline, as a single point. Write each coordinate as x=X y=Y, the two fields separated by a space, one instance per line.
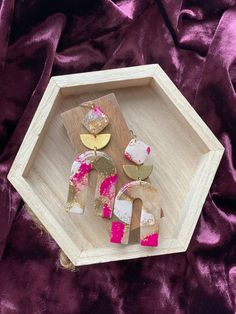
x=138 y=75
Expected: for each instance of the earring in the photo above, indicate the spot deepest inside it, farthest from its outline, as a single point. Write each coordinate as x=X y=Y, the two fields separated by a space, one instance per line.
x=94 y=121
x=137 y=151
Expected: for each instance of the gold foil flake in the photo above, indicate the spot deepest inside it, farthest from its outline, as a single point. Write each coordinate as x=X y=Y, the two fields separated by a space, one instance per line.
x=104 y=165
x=95 y=120
x=99 y=206
x=70 y=197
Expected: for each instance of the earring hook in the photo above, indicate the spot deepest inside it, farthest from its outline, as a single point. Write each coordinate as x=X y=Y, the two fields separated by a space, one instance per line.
x=88 y=104
x=133 y=134
x=95 y=150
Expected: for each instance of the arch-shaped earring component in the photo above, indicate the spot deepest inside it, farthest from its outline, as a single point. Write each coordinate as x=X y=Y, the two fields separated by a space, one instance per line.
x=105 y=187
x=150 y=214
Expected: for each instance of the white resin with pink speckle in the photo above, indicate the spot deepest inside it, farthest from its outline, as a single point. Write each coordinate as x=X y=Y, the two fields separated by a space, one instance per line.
x=137 y=151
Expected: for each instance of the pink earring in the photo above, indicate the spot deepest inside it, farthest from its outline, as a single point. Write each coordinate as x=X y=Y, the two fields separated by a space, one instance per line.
x=94 y=121
x=137 y=151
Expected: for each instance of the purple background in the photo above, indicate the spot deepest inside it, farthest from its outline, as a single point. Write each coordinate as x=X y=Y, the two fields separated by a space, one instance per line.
x=195 y=43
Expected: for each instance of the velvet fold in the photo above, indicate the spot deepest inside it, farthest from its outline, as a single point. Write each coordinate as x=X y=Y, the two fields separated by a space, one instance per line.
x=194 y=41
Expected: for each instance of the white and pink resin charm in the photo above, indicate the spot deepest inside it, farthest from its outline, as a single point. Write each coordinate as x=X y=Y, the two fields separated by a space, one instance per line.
x=137 y=151
x=146 y=231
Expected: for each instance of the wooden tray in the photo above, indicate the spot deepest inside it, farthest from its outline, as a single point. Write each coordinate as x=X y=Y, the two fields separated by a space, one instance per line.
x=185 y=164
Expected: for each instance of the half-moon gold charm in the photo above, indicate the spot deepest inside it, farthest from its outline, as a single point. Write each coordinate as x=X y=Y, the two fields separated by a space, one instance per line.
x=141 y=172
x=91 y=141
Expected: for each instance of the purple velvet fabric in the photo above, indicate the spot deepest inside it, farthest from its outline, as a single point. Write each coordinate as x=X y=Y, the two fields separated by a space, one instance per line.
x=195 y=43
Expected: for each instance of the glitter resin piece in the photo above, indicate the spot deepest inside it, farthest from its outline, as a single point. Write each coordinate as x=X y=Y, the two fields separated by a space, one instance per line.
x=105 y=187
x=95 y=120
x=146 y=232
x=137 y=151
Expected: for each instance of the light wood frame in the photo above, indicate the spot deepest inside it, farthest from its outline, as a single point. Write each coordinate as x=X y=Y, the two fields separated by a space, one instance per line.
x=126 y=83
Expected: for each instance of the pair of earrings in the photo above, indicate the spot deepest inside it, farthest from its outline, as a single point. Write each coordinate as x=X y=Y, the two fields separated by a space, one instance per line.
x=107 y=204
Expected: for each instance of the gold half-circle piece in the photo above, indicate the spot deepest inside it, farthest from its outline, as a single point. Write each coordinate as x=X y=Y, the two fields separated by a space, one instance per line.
x=91 y=141
x=138 y=172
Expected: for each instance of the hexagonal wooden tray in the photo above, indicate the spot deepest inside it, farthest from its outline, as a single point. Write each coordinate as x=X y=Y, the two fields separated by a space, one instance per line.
x=187 y=160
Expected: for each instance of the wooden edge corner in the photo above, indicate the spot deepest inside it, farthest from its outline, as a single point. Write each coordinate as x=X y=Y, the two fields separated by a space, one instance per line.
x=34 y=134
x=46 y=218
x=125 y=252
x=105 y=76
x=188 y=112
x=198 y=192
